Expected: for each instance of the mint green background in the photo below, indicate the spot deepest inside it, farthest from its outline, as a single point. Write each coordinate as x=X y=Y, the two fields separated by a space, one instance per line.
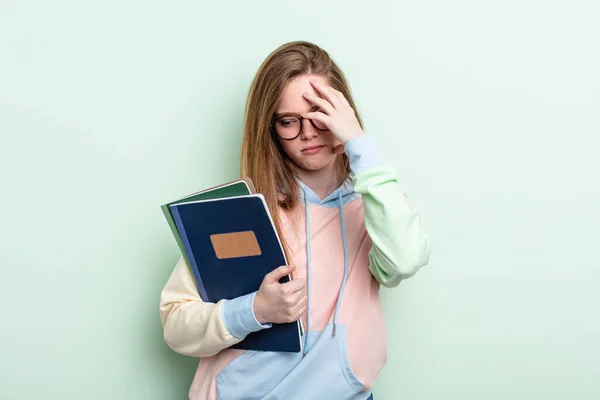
x=489 y=109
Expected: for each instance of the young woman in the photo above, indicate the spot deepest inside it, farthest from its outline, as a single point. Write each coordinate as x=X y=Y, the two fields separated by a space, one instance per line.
x=346 y=227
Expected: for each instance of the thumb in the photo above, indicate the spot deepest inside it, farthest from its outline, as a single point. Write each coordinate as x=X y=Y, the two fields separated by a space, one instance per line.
x=278 y=273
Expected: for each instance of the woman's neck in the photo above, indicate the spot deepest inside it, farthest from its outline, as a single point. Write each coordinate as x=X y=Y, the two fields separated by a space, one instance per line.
x=322 y=182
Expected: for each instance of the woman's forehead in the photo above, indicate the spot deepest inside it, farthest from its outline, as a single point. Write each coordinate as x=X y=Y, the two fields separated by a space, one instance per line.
x=291 y=99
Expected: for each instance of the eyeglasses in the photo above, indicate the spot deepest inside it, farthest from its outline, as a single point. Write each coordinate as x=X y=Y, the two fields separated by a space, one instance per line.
x=289 y=126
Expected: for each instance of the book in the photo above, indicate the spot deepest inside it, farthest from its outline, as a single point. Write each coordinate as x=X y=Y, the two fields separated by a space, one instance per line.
x=234 y=188
x=231 y=243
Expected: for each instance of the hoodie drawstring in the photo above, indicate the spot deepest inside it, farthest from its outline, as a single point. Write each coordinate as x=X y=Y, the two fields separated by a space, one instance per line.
x=309 y=265
x=339 y=301
x=308 y=280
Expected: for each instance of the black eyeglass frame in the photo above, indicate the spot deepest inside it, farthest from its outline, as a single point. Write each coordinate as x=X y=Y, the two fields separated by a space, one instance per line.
x=300 y=117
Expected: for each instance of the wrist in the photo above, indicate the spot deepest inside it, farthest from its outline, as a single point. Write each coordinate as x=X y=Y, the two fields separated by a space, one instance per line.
x=238 y=316
x=257 y=308
x=352 y=136
x=363 y=153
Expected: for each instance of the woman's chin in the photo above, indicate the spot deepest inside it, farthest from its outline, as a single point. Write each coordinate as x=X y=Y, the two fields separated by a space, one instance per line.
x=316 y=165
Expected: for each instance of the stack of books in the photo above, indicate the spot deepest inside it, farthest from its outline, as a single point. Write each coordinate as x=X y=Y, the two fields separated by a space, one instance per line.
x=228 y=240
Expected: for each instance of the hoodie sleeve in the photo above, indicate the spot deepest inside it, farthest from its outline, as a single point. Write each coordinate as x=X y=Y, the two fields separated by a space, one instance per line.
x=195 y=328
x=400 y=247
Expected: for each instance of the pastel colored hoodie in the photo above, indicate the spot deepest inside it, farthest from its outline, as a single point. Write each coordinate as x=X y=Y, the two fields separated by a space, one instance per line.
x=363 y=235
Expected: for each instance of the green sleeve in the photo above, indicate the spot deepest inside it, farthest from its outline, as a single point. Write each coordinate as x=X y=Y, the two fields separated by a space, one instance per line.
x=399 y=247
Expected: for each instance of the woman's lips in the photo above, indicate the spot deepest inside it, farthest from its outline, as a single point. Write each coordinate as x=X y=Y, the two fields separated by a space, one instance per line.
x=313 y=149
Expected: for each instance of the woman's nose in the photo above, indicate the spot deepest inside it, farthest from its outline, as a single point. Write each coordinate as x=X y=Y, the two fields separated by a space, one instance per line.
x=308 y=130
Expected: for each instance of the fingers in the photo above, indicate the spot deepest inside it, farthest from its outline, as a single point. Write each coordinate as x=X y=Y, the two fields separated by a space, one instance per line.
x=294 y=296
x=324 y=104
x=301 y=312
x=296 y=300
x=341 y=96
x=294 y=314
x=318 y=116
x=293 y=286
x=327 y=92
x=296 y=307
x=278 y=273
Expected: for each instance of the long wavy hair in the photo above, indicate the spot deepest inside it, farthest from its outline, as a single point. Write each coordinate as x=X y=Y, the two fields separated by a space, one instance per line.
x=262 y=157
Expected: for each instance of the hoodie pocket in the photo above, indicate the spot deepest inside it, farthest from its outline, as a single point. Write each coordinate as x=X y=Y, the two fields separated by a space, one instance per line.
x=324 y=372
x=254 y=373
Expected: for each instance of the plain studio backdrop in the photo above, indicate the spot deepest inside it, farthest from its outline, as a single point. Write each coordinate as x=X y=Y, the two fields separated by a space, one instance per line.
x=488 y=109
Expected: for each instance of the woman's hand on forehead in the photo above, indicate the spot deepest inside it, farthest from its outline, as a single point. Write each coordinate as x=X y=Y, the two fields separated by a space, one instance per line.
x=335 y=112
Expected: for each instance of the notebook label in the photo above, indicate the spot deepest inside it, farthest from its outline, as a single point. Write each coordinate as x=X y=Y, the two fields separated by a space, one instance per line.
x=235 y=244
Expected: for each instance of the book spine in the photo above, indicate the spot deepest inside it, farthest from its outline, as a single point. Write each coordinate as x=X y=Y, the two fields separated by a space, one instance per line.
x=190 y=254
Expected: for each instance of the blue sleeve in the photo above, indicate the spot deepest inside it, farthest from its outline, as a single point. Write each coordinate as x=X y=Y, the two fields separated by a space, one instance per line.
x=363 y=153
x=239 y=318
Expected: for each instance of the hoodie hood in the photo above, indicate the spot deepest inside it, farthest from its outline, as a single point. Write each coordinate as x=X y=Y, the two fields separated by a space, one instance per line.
x=346 y=190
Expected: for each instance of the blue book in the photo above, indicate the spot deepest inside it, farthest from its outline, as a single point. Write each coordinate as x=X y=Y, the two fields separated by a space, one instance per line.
x=231 y=244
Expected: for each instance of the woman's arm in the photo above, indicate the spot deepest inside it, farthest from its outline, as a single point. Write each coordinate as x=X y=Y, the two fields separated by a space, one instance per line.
x=400 y=247
x=195 y=328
